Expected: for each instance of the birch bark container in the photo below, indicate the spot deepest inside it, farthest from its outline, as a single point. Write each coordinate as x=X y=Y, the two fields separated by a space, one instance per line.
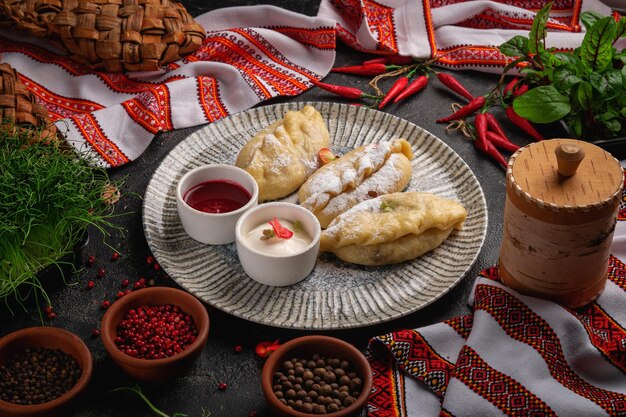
x=562 y=197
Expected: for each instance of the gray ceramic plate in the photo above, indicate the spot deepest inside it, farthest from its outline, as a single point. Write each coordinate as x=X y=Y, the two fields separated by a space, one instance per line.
x=336 y=295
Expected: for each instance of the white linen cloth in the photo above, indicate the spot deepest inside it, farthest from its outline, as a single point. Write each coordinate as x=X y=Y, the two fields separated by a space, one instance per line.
x=255 y=53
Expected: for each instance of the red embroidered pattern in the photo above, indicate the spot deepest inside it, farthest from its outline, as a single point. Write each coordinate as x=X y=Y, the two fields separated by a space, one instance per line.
x=529 y=4
x=229 y=48
x=319 y=38
x=605 y=334
x=499 y=389
x=522 y=324
x=617 y=272
x=496 y=19
x=379 y=20
x=417 y=358
x=381 y=23
x=151 y=109
x=462 y=325
x=272 y=53
x=208 y=93
x=92 y=132
x=473 y=55
x=42 y=55
x=382 y=401
x=58 y=106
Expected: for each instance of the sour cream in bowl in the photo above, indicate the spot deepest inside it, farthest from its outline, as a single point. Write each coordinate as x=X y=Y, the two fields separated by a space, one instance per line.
x=278 y=243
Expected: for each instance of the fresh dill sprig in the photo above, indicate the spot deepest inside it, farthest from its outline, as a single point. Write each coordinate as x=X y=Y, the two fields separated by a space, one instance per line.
x=49 y=195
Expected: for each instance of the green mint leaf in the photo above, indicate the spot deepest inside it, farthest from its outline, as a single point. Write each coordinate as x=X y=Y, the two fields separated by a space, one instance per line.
x=542 y=105
x=536 y=37
x=590 y=18
x=596 y=51
x=516 y=46
x=297 y=226
x=583 y=96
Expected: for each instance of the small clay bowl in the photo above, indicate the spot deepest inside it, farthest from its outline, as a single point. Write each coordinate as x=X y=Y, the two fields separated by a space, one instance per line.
x=49 y=338
x=155 y=369
x=308 y=346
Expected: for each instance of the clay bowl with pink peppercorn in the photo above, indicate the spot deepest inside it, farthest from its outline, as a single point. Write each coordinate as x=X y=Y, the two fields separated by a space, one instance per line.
x=128 y=334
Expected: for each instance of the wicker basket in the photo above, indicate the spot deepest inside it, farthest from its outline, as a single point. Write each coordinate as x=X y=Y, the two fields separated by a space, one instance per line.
x=117 y=35
x=19 y=107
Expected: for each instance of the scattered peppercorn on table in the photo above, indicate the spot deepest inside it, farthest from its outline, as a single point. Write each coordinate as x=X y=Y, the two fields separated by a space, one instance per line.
x=225 y=381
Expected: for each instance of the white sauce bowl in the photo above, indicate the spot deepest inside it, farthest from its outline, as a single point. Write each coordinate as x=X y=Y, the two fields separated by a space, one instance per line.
x=277 y=270
x=213 y=228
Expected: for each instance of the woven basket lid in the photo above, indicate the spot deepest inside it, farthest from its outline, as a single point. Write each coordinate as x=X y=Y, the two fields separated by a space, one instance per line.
x=538 y=184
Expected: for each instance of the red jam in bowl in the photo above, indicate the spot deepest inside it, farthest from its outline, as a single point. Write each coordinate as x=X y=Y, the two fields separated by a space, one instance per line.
x=217 y=196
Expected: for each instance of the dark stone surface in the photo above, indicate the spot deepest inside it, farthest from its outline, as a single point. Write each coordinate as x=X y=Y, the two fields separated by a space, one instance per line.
x=78 y=310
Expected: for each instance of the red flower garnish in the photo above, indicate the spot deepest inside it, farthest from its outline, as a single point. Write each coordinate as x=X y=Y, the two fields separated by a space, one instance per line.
x=265 y=349
x=279 y=230
x=326 y=155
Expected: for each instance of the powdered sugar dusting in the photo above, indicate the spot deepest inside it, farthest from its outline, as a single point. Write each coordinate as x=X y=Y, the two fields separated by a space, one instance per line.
x=382 y=181
x=344 y=174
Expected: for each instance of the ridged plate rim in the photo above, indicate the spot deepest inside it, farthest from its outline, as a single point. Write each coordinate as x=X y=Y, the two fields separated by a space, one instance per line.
x=159 y=210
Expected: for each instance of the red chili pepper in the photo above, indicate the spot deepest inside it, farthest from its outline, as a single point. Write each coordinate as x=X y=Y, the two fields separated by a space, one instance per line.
x=341 y=90
x=520 y=90
x=510 y=85
x=466 y=110
x=279 y=230
x=394 y=91
x=494 y=126
x=483 y=144
x=390 y=59
x=415 y=87
x=373 y=69
x=502 y=143
x=265 y=349
x=454 y=85
x=522 y=123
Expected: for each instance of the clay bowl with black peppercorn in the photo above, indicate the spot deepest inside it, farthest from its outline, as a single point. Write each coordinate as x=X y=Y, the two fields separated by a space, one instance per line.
x=155 y=333
x=316 y=375
x=43 y=370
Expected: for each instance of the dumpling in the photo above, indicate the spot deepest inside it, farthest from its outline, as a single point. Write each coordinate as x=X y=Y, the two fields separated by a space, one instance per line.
x=370 y=170
x=392 y=228
x=283 y=155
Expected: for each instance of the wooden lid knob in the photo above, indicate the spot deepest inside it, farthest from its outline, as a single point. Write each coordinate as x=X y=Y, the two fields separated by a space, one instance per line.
x=568 y=158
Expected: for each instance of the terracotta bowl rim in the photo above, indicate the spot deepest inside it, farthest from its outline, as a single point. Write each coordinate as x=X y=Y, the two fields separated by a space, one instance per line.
x=357 y=358
x=118 y=355
x=80 y=385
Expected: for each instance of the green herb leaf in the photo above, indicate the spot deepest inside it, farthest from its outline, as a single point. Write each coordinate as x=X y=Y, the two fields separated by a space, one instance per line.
x=596 y=50
x=583 y=97
x=577 y=128
x=623 y=111
x=564 y=80
x=542 y=105
x=297 y=226
x=601 y=85
x=608 y=115
x=516 y=46
x=570 y=61
x=613 y=125
x=388 y=206
x=589 y=18
x=268 y=234
x=614 y=78
x=536 y=37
